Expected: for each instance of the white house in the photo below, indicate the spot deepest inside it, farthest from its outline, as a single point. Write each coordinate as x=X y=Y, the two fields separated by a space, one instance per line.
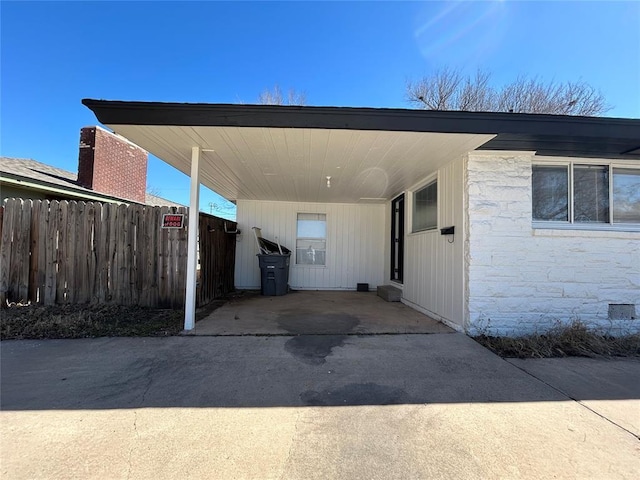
x=488 y=221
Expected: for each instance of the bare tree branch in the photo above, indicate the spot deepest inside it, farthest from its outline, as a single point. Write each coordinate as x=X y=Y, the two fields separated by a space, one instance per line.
x=437 y=92
x=476 y=94
x=154 y=190
x=276 y=97
x=448 y=89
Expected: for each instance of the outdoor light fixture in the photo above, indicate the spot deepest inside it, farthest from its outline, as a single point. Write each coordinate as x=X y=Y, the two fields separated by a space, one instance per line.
x=328 y=181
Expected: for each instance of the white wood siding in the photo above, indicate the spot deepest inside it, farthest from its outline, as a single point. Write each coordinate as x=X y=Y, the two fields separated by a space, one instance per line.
x=433 y=267
x=355 y=243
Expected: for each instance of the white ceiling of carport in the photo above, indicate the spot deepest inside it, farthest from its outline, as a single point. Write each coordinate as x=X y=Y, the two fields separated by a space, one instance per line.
x=291 y=164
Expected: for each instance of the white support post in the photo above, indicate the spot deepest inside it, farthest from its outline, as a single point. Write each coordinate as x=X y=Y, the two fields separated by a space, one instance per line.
x=192 y=242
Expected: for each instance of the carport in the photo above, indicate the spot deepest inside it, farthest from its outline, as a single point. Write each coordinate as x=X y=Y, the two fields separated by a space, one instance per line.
x=353 y=157
x=362 y=174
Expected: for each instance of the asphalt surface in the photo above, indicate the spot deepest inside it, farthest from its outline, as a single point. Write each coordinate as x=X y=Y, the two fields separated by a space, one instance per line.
x=304 y=407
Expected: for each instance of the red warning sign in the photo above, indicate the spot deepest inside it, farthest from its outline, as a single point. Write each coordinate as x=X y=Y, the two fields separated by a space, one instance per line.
x=173 y=220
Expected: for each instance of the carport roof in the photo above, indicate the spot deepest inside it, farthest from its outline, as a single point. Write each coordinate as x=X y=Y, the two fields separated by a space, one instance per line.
x=269 y=152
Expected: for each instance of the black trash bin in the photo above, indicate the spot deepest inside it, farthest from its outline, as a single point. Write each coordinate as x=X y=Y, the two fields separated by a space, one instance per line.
x=274 y=273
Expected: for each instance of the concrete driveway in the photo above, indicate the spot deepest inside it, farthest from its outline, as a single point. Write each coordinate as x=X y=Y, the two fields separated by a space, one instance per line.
x=315 y=312
x=301 y=407
x=610 y=388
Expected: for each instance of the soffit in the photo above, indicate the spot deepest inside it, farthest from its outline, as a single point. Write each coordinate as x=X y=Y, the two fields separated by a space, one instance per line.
x=291 y=164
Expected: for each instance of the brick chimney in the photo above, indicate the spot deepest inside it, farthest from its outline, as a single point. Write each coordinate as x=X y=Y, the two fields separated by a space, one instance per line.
x=111 y=165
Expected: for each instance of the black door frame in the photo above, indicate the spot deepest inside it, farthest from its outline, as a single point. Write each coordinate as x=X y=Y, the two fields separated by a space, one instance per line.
x=397 y=239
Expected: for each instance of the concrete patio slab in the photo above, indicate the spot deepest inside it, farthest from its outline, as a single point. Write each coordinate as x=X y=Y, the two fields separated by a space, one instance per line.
x=610 y=387
x=315 y=312
x=271 y=407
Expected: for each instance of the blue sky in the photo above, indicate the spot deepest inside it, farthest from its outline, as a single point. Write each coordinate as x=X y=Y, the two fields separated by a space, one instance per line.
x=53 y=54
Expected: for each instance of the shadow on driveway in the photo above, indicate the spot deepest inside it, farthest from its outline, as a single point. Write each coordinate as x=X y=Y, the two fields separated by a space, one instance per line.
x=331 y=370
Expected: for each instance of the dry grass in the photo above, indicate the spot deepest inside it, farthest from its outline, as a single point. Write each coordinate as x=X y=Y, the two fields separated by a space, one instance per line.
x=18 y=321
x=82 y=321
x=573 y=340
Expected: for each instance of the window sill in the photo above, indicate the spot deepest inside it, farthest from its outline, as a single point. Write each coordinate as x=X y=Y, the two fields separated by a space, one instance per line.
x=587 y=227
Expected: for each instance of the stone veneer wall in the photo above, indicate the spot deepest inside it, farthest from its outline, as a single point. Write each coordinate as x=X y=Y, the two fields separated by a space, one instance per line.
x=523 y=280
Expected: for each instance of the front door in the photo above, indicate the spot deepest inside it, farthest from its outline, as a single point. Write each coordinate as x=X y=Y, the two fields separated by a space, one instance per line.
x=397 y=238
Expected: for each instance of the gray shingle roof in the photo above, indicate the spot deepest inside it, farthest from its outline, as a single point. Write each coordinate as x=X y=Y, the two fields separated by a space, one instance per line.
x=33 y=170
x=156 y=201
x=38 y=172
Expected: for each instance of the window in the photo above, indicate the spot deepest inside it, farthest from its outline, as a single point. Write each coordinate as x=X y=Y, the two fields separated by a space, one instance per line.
x=626 y=195
x=590 y=194
x=585 y=194
x=425 y=207
x=550 y=193
x=311 y=242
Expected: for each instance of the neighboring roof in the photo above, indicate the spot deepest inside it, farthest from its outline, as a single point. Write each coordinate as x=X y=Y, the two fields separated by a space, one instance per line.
x=37 y=171
x=156 y=201
x=558 y=135
x=37 y=175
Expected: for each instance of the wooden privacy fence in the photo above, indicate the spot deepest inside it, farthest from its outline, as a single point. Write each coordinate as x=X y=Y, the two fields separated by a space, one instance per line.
x=217 y=257
x=82 y=252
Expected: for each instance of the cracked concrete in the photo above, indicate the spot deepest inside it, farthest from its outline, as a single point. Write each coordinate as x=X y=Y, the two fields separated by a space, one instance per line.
x=388 y=406
x=137 y=435
x=609 y=387
x=294 y=438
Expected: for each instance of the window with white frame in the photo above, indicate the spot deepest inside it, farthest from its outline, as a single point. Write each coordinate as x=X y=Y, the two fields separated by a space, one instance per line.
x=586 y=194
x=626 y=195
x=311 y=241
x=425 y=207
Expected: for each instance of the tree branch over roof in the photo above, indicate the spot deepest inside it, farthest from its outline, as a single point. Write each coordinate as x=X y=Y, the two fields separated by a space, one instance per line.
x=276 y=97
x=448 y=89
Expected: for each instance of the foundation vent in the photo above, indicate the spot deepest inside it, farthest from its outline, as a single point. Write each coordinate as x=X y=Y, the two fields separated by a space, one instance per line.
x=622 y=311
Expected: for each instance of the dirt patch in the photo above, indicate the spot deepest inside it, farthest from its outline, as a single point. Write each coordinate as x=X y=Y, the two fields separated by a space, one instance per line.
x=84 y=321
x=574 y=340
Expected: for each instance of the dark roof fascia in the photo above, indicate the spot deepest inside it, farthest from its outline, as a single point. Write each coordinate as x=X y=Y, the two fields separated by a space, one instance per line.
x=558 y=135
x=113 y=112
